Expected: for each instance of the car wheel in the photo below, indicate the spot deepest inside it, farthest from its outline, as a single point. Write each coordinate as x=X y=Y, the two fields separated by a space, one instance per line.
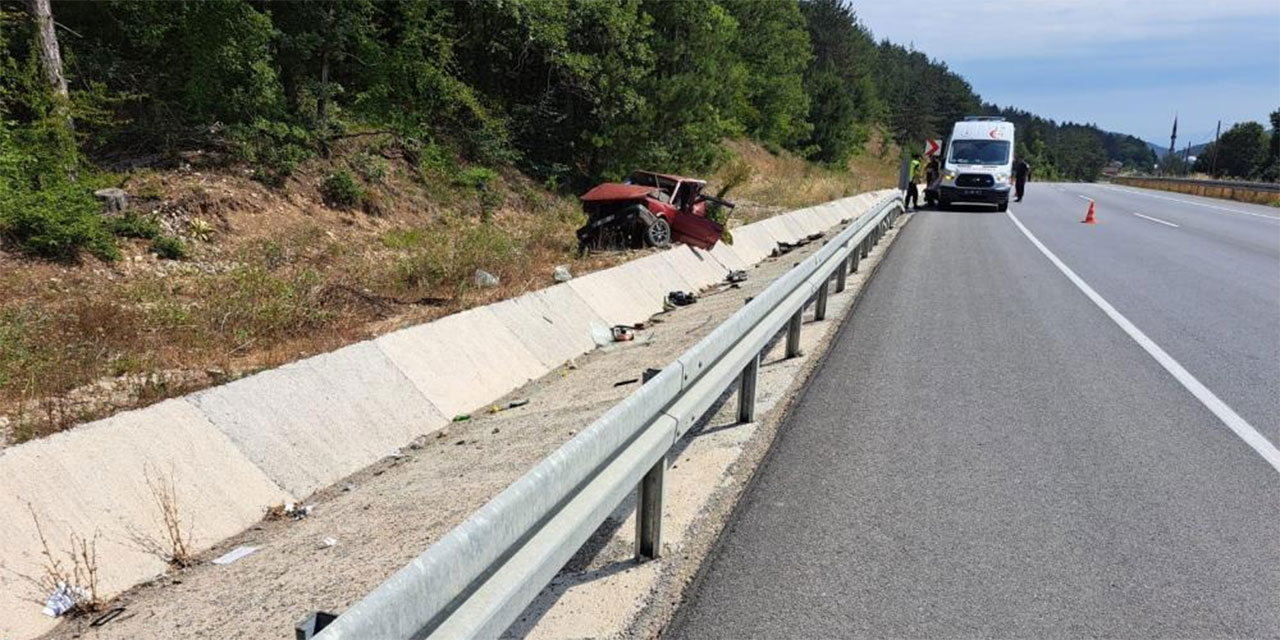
x=658 y=234
x=1003 y=206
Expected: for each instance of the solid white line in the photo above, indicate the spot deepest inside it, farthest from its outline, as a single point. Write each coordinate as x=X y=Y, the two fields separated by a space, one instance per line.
x=1155 y=219
x=1198 y=204
x=1202 y=393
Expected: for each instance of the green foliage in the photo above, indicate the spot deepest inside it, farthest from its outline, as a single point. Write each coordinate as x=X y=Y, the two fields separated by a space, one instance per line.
x=273 y=148
x=132 y=225
x=55 y=222
x=169 y=247
x=340 y=189
x=1242 y=152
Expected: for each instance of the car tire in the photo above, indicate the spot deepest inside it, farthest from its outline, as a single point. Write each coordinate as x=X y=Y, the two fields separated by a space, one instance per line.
x=1003 y=206
x=658 y=234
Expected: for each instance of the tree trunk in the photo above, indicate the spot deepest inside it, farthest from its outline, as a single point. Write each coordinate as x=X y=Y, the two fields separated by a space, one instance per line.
x=47 y=41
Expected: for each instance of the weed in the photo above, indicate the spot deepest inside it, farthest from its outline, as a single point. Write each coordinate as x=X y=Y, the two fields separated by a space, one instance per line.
x=371 y=167
x=76 y=574
x=200 y=230
x=174 y=545
x=169 y=247
x=404 y=238
x=340 y=189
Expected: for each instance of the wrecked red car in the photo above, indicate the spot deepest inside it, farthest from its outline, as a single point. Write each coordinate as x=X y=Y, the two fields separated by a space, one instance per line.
x=650 y=209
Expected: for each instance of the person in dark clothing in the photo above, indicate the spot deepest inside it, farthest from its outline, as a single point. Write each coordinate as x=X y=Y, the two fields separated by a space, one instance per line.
x=912 y=201
x=1021 y=172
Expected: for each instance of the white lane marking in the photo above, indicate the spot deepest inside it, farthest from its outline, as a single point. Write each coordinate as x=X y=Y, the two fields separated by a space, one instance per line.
x=1202 y=393
x=1084 y=197
x=1198 y=204
x=1155 y=219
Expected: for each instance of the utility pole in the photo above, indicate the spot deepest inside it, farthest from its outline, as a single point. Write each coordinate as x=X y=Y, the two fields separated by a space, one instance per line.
x=1173 y=139
x=1213 y=162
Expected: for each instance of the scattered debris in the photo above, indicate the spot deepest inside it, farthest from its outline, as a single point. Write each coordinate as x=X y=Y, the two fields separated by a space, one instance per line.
x=297 y=511
x=623 y=333
x=327 y=543
x=493 y=408
x=107 y=617
x=63 y=599
x=462 y=417
x=418 y=442
x=561 y=273
x=517 y=403
x=460 y=442
x=348 y=487
x=737 y=275
x=649 y=374
x=639 y=326
x=496 y=430
x=234 y=554
x=623 y=383
x=570 y=364
x=443 y=433
x=483 y=278
x=678 y=299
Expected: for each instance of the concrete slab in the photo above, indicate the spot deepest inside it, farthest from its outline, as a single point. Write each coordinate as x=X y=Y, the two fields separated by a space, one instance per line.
x=698 y=267
x=310 y=423
x=731 y=257
x=657 y=274
x=807 y=220
x=615 y=299
x=463 y=361
x=753 y=243
x=93 y=480
x=554 y=324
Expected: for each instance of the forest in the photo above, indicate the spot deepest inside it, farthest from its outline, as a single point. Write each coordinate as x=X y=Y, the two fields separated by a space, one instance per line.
x=567 y=91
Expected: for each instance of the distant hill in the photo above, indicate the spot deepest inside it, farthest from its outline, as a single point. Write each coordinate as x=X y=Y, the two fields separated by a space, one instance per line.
x=1163 y=149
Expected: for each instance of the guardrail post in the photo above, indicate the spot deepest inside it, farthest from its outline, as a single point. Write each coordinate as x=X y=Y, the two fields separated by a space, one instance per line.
x=866 y=245
x=747 y=391
x=820 y=307
x=649 y=512
x=793 y=334
x=853 y=259
x=842 y=273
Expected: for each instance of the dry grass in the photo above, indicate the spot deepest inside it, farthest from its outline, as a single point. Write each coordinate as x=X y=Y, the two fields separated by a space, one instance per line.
x=278 y=275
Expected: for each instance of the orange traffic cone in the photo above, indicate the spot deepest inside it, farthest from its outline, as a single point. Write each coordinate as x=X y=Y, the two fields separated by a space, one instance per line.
x=1088 y=217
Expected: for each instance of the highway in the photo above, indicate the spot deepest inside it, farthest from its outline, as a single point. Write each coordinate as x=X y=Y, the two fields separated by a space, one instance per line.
x=1030 y=427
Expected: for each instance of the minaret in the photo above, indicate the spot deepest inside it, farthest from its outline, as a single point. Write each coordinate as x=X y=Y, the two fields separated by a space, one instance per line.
x=1173 y=139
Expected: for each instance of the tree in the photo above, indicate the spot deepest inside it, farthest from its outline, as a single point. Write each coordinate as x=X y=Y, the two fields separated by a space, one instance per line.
x=1240 y=153
x=840 y=81
x=774 y=45
x=1270 y=170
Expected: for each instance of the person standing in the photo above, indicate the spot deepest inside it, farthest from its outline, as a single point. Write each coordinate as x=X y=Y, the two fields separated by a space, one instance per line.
x=912 y=201
x=1021 y=172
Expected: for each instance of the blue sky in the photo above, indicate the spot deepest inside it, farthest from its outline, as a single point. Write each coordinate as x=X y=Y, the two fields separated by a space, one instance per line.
x=1125 y=65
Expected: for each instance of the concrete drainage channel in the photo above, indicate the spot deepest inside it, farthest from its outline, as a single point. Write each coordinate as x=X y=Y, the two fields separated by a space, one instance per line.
x=478 y=579
x=277 y=436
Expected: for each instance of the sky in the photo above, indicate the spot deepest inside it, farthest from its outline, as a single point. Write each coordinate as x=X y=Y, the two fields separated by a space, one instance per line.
x=1125 y=65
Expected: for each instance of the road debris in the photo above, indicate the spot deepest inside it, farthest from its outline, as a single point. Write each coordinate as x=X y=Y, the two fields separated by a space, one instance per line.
x=678 y=299
x=623 y=333
x=234 y=554
x=517 y=403
x=561 y=273
x=737 y=275
x=63 y=599
x=462 y=417
x=110 y=615
x=327 y=543
x=623 y=383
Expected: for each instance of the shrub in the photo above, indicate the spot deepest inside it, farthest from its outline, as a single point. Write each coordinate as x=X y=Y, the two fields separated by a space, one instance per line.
x=340 y=189
x=169 y=247
x=132 y=225
x=56 y=222
x=275 y=149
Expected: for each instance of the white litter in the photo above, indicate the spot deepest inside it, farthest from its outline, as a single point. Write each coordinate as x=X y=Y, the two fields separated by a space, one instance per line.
x=234 y=554
x=62 y=600
x=328 y=542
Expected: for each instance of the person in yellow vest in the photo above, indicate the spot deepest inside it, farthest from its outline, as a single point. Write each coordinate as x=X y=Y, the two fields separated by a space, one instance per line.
x=912 y=201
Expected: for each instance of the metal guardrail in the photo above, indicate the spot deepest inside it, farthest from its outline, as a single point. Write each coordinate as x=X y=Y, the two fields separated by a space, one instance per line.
x=1229 y=184
x=477 y=579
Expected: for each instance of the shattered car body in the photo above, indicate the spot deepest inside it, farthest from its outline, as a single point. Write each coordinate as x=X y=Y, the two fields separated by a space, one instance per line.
x=650 y=209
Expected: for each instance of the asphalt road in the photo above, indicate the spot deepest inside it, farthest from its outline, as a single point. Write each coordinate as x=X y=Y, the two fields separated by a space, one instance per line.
x=986 y=452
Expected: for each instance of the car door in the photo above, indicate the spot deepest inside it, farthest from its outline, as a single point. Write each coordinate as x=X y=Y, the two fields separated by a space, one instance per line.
x=691 y=225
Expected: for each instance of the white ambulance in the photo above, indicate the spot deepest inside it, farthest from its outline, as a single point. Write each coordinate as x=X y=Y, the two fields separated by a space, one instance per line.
x=978 y=165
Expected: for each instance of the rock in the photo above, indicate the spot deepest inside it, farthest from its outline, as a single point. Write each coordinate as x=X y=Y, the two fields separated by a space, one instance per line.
x=483 y=278
x=114 y=200
x=561 y=274
x=418 y=442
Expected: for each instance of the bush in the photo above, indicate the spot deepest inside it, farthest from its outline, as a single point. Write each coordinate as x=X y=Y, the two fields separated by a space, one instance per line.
x=275 y=149
x=132 y=225
x=56 y=222
x=169 y=247
x=340 y=189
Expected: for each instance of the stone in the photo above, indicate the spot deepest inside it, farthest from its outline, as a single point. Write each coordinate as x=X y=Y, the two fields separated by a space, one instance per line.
x=114 y=200
x=483 y=278
x=562 y=274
